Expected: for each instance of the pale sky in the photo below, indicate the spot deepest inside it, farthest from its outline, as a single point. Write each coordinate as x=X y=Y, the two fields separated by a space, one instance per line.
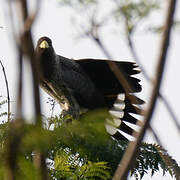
x=55 y=22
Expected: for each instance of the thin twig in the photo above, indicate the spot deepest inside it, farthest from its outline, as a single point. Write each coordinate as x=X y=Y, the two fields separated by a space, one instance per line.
x=132 y=150
x=168 y=106
x=20 y=86
x=52 y=107
x=155 y=136
x=7 y=88
x=136 y=58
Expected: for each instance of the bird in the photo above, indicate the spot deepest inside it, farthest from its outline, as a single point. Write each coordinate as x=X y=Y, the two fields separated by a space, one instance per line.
x=88 y=84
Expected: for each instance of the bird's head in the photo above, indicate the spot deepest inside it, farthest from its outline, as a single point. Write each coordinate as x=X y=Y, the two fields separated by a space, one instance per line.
x=46 y=57
x=44 y=45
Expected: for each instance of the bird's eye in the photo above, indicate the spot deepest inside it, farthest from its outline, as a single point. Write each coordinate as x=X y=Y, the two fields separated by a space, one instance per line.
x=49 y=42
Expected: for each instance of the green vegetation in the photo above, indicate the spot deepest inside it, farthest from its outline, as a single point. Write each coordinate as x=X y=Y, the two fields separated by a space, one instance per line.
x=78 y=150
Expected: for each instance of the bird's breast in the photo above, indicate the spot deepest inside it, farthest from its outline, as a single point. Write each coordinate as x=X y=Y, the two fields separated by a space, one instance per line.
x=47 y=68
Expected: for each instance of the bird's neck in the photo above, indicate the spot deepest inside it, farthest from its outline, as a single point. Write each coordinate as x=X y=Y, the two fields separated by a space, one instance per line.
x=47 y=61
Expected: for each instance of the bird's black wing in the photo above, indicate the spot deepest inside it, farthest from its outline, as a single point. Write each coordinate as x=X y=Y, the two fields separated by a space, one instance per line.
x=109 y=86
x=94 y=85
x=105 y=80
x=80 y=84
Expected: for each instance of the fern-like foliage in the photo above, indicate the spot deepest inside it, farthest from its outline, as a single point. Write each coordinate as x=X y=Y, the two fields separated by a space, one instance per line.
x=152 y=158
x=69 y=166
x=94 y=170
x=170 y=163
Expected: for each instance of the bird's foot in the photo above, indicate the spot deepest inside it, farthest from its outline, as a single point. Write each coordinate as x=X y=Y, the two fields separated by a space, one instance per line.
x=70 y=114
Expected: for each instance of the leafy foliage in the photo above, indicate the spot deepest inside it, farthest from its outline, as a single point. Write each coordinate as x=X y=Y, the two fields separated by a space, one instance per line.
x=71 y=166
x=127 y=12
x=3 y=102
x=134 y=11
x=80 y=150
x=170 y=164
x=83 y=2
x=3 y=113
x=149 y=159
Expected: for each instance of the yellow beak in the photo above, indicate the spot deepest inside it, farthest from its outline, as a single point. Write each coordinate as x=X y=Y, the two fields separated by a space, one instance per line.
x=44 y=44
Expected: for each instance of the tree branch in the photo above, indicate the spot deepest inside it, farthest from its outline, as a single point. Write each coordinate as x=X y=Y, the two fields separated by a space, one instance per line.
x=28 y=49
x=133 y=147
x=136 y=58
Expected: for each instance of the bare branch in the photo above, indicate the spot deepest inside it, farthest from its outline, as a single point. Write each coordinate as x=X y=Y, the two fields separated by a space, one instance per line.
x=7 y=88
x=27 y=17
x=20 y=86
x=28 y=49
x=155 y=135
x=168 y=106
x=136 y=58
x=132 y=150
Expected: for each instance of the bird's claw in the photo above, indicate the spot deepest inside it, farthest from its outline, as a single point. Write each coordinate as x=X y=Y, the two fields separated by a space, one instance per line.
x=70 y=114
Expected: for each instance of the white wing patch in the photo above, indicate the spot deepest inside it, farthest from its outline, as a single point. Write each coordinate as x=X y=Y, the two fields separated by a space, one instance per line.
x=117 y=112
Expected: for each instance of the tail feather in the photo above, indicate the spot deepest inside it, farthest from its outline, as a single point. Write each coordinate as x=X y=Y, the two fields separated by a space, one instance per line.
x=109 y=86
x=130 y=68
x=129 y=118
x=124 y=107
x=118 y=136
x=125 y=128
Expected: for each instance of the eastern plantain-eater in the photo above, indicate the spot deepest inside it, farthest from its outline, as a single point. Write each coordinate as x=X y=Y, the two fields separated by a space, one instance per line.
x=89 y=84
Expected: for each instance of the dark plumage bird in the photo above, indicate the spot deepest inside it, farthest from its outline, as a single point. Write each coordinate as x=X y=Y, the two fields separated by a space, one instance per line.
x=89 y=84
